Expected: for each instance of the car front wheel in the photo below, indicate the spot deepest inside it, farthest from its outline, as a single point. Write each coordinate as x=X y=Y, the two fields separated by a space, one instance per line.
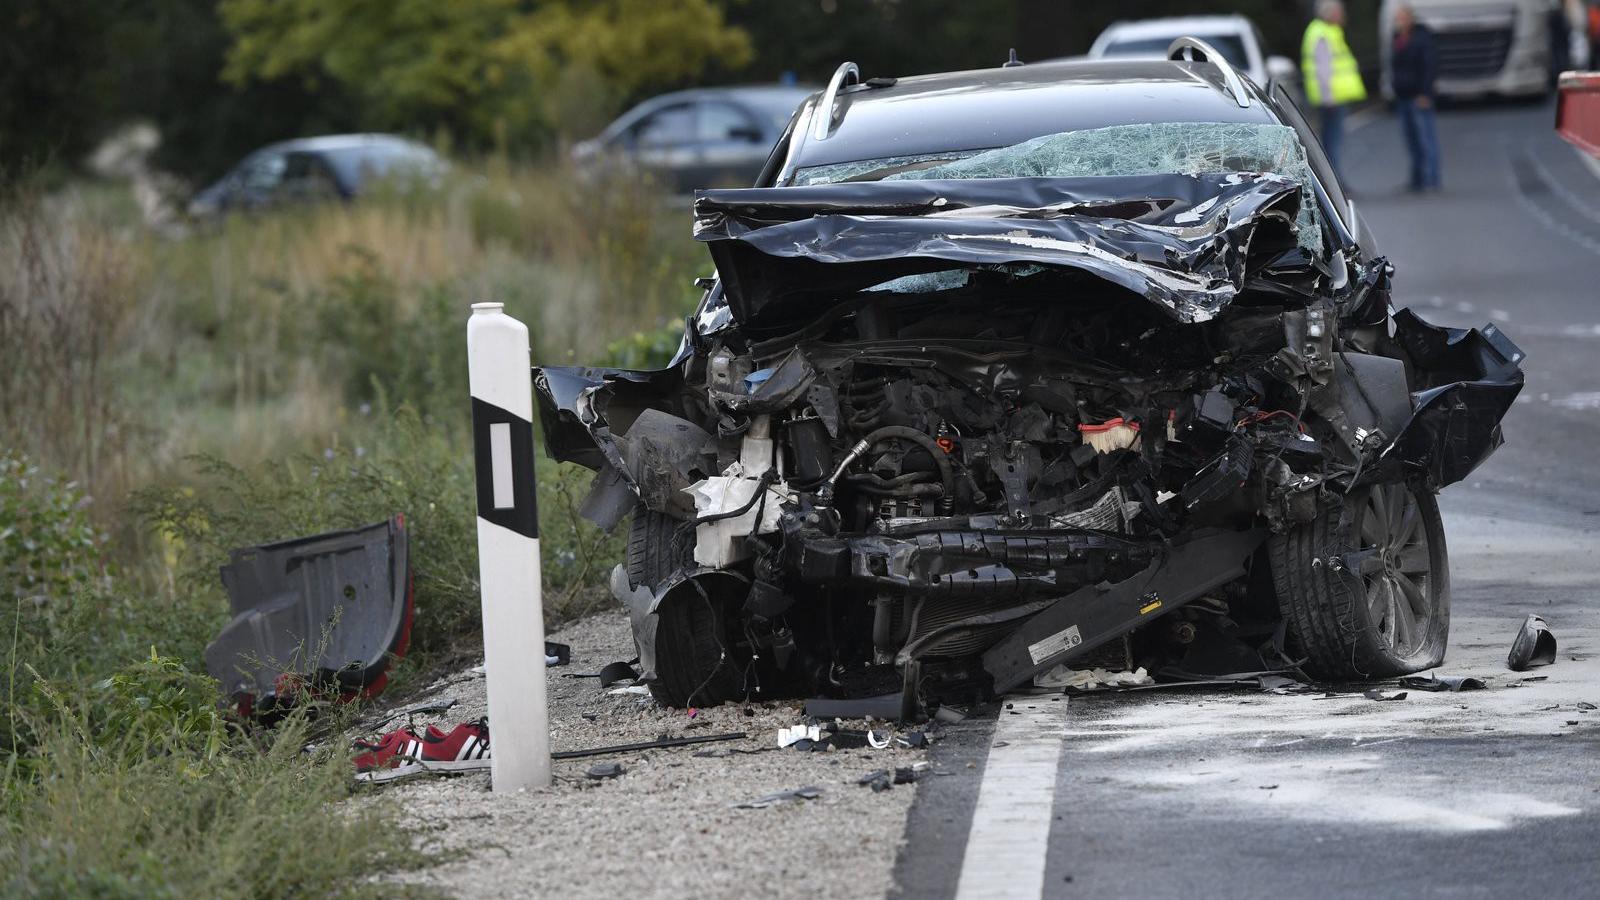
x=1365 y=587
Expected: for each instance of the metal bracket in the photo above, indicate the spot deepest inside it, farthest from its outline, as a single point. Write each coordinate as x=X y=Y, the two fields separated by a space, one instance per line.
x=822 y=114
x=1185 y=48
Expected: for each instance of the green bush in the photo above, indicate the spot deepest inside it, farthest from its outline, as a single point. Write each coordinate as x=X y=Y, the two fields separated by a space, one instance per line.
x=49 y=549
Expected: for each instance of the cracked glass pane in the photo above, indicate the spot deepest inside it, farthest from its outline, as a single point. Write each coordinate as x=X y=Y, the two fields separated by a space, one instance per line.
x=1163 y=148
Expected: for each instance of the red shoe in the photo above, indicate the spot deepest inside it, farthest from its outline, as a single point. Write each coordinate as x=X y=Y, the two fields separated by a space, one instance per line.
x=396 y=755
x=464 y=749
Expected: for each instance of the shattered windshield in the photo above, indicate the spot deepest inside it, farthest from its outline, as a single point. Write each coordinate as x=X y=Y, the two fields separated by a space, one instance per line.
x=1163 y=148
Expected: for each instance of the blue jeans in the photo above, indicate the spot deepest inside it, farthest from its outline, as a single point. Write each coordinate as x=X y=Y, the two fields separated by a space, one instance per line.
x=1422 y=140
x=1333 y=135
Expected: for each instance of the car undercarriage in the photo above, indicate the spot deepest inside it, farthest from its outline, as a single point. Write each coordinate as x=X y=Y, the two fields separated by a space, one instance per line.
x=942 y=434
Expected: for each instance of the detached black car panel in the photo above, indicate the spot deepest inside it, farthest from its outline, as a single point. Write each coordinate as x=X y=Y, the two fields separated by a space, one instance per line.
x=1089 y=353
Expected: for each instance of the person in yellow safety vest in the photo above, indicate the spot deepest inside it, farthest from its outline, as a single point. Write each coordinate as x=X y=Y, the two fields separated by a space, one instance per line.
x=1332 y=79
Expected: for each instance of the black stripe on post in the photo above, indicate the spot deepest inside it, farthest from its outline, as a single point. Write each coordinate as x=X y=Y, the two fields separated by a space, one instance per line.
x=522 y=516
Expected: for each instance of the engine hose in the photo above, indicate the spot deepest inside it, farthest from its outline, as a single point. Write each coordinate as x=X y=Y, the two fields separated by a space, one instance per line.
x=875 y=480
x=947 y=475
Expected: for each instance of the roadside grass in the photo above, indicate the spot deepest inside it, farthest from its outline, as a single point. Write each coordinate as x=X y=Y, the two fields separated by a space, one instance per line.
x=168 y=399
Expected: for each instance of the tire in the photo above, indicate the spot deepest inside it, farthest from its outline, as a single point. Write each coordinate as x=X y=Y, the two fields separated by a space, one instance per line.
x=696 y=651
x=1387 y=613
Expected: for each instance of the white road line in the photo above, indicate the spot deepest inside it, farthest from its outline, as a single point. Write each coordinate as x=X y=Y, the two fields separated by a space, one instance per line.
x=1010 y=836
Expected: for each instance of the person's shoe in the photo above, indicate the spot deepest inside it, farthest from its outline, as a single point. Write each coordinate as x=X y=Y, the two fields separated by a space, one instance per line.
x=396 y=755
x=464 y=749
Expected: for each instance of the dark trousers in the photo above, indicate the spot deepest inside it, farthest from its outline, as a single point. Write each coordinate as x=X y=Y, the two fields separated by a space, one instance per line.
x=1422 y=140
x=1333 y=135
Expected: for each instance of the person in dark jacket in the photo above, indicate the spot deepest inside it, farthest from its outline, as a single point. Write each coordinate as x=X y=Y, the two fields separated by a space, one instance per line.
x=1414 y=66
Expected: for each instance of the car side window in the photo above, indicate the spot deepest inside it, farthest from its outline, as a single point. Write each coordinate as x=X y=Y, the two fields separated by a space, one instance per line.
x=722 y=122
x=307 y=175
x=263 y=175
x=1314 y=153
x=667 y=127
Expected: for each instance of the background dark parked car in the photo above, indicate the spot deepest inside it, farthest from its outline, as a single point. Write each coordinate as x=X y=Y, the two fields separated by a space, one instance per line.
x=701 y=138
x=332 y=166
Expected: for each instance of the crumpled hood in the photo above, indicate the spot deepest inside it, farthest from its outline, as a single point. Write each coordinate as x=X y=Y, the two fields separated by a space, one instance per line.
x=1186 y=242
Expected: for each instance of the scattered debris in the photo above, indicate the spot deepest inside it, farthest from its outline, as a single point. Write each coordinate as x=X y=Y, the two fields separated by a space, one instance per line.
x=1090 y=679
x=949 y=715
x=803 y=793
x=912 y=739
x=879 y=780
x=1452 y=683
x=880 y=740
x=1586 y=705
x=1375 y=694
x=637 y=690
x=1534 y=645
x=554 y=655
x=329 y=612
x=660 y=743
x=796 y=733
x=602 y=771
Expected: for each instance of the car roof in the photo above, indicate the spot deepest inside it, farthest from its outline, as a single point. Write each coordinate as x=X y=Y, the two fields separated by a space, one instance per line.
x=1176 y=26
x=329 y=143
x=985 y=108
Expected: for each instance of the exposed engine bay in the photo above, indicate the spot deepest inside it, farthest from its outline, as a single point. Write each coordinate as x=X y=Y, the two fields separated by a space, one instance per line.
x=940 y=436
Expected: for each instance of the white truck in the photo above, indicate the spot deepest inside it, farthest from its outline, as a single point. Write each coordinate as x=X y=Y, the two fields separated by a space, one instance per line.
x=1486 y=47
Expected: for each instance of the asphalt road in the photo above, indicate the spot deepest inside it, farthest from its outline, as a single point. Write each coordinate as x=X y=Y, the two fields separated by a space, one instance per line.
x=1492 y=793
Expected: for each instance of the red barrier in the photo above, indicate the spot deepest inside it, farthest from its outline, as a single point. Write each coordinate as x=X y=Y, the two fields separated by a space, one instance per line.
x=1578 y=110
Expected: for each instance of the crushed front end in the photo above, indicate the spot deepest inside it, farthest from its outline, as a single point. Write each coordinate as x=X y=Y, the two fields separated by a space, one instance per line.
x=945 y=434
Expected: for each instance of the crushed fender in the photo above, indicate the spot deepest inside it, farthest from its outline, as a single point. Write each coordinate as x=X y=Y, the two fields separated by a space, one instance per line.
x=328 y=613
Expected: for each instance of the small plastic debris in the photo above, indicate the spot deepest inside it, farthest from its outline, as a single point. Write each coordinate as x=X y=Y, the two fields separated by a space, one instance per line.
x=1376 y=694
x=1584 y=704
x=1090 y=679
x=1436 y=683
x=912 y=739
x=617 y=672
x=601 y=771
x=803 y=793
x=879 y=780
x=879 y=740
x=1534 y=645
x=796 y=733
x=638 y=690
x=847 y=739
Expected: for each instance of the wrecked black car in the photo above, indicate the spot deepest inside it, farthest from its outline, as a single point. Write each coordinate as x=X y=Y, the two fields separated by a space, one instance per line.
x=1003 y=368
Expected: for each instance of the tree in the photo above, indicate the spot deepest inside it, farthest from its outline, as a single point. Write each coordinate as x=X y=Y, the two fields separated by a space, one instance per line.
x=481 y=69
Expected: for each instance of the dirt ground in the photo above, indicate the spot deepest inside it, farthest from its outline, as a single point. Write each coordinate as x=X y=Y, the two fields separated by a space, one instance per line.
x=664 y=828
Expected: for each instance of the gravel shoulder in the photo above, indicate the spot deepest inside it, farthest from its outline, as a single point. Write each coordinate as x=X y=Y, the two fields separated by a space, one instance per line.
x=664 y=828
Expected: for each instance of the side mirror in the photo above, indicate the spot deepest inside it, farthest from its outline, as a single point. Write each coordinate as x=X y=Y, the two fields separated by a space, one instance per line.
x=1282 y=69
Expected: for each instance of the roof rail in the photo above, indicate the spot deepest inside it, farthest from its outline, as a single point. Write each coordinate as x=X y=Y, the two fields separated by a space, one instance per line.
x=1185 y=48
x=822 y=115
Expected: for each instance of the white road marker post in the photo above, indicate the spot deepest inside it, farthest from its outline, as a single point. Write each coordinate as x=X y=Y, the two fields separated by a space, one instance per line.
x=500 y=377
